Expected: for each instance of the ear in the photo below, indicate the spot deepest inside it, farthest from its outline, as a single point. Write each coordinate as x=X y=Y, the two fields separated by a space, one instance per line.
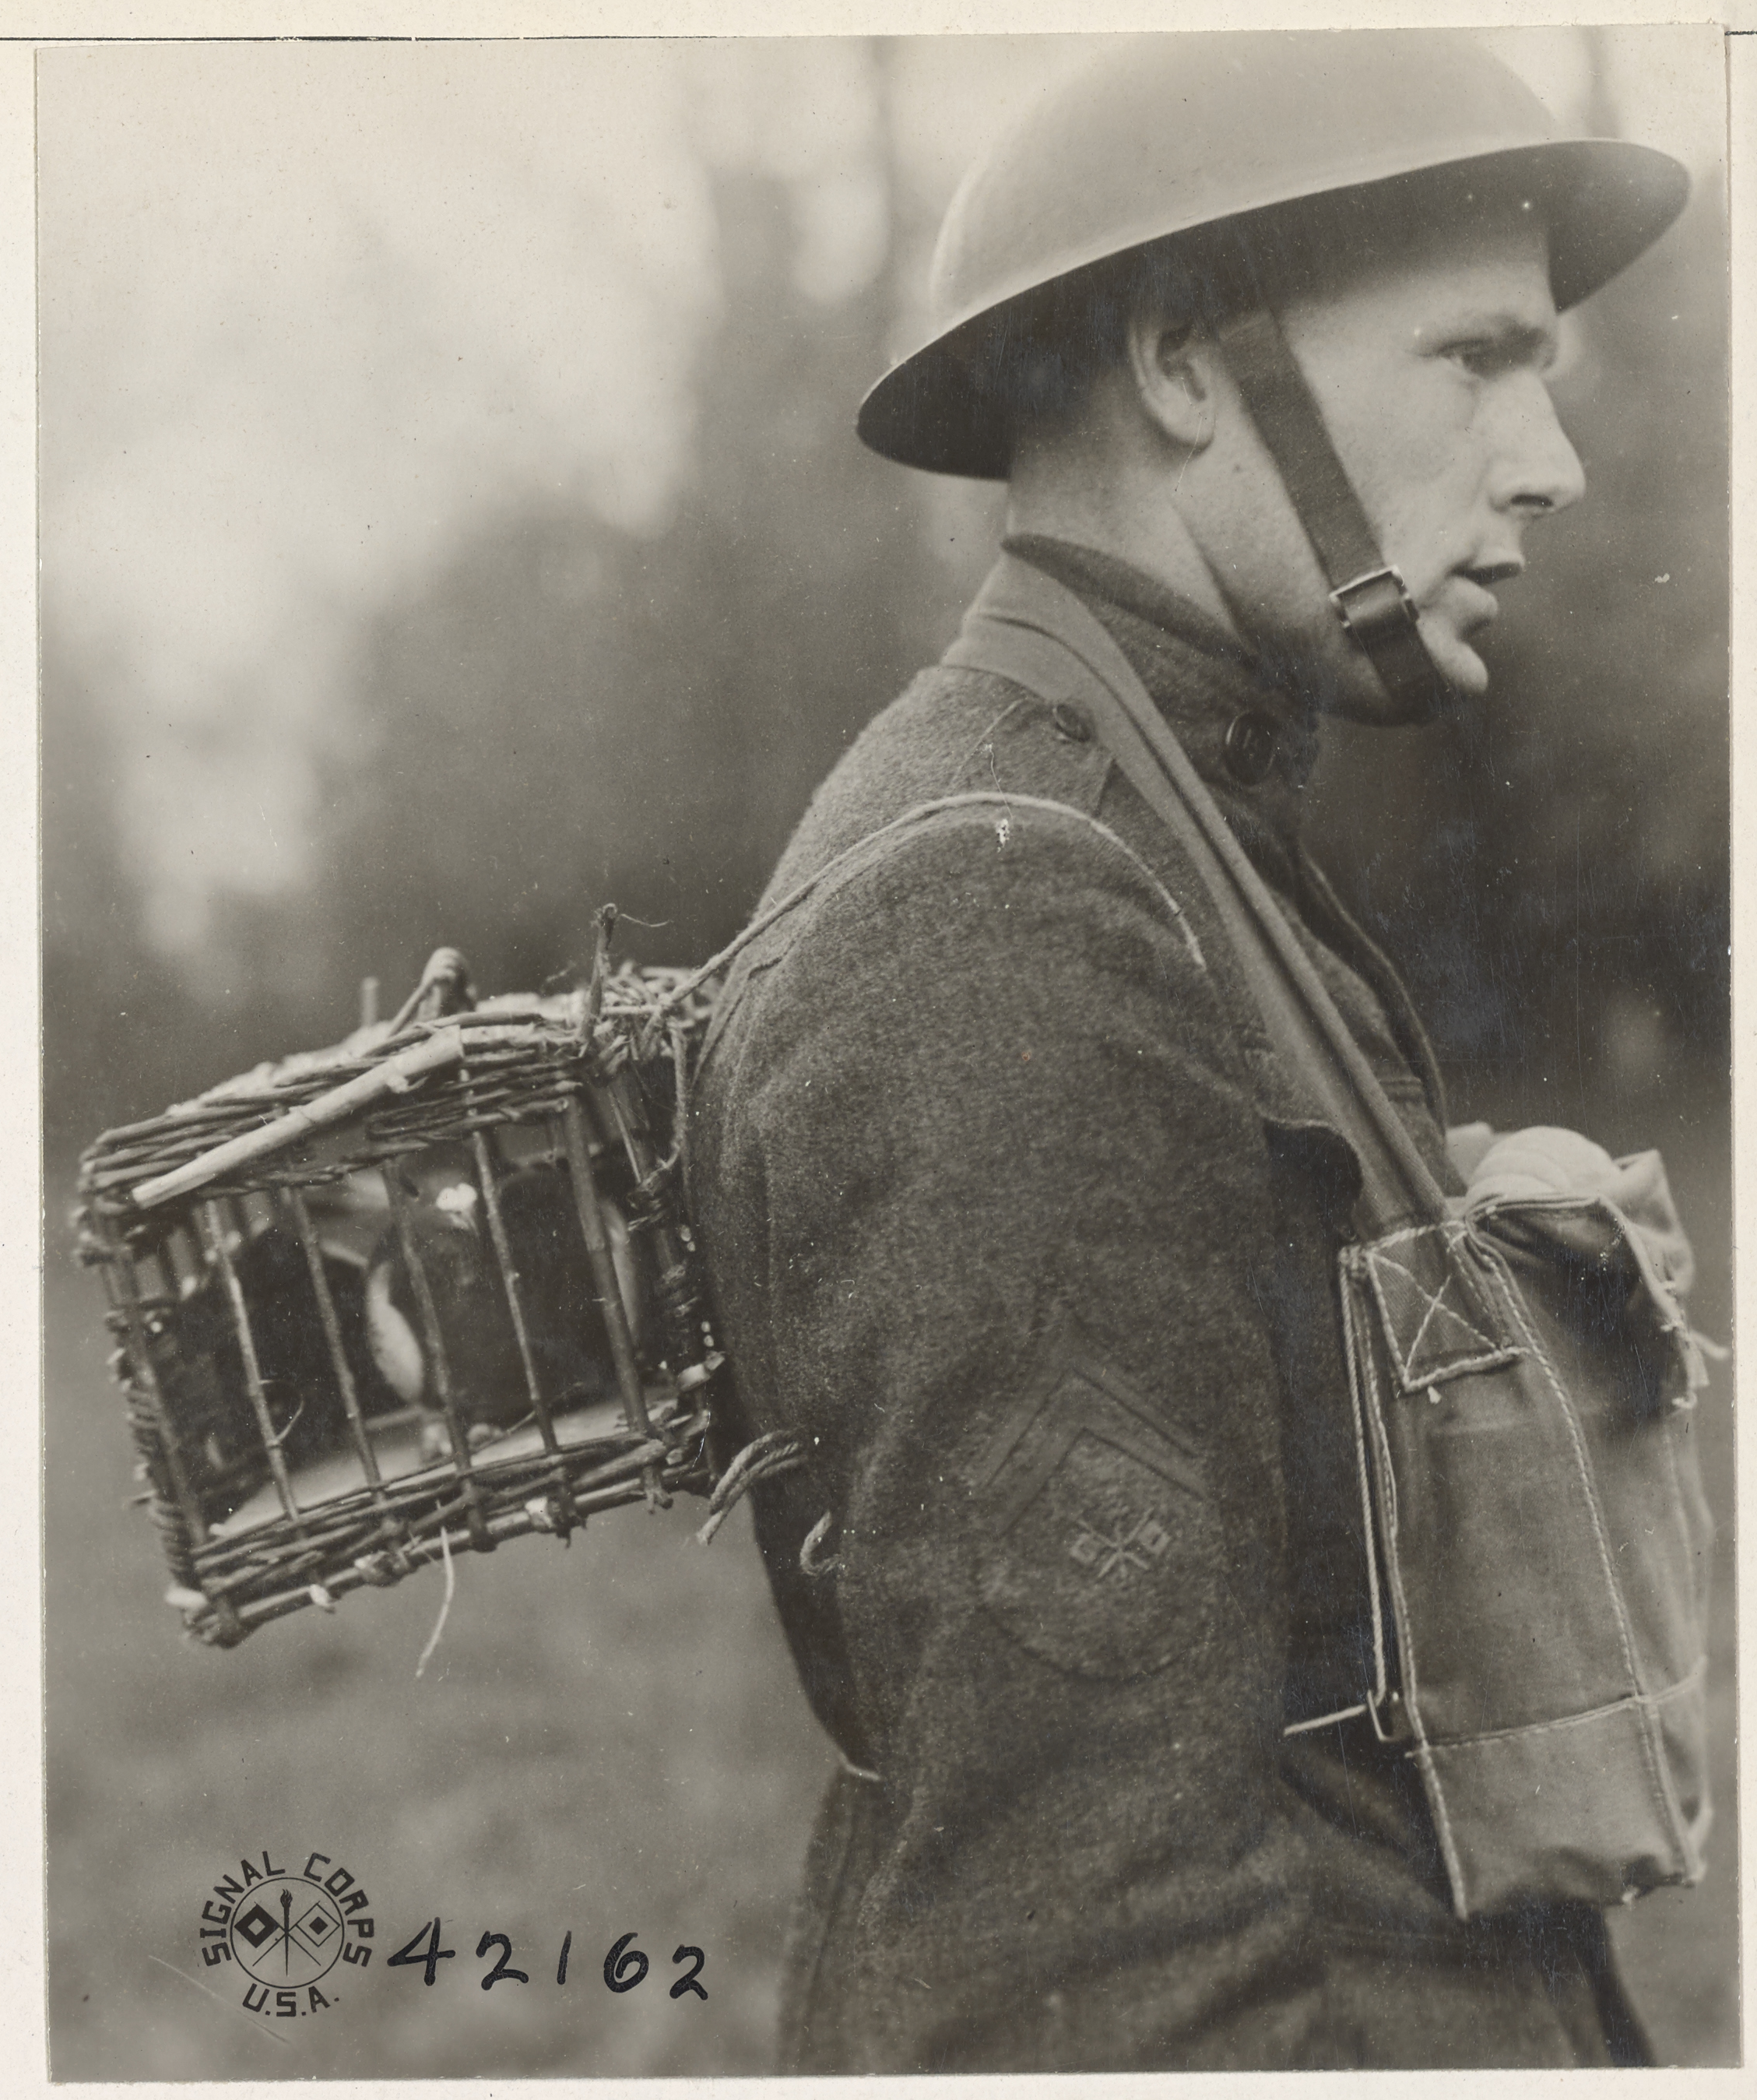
x=1173 y=366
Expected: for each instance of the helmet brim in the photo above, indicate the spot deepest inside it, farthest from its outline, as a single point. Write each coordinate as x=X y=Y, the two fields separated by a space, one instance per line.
x=1605 y=201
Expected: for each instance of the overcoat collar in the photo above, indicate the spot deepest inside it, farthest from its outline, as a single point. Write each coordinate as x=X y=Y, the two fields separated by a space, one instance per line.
x=1253 y=743
x=1207 y=684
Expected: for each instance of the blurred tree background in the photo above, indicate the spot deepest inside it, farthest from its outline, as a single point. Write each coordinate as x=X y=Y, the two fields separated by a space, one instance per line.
x=545 y=705
x=451 y=519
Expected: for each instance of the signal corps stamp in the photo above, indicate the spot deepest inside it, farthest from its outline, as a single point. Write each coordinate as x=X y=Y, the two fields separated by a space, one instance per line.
x=284 y=1931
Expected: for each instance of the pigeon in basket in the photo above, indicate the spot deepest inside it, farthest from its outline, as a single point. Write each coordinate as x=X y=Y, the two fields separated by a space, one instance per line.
x=454 y=1243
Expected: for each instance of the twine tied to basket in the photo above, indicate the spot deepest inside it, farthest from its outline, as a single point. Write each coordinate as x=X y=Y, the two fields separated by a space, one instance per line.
x=814 y=1563
x=763 y=1458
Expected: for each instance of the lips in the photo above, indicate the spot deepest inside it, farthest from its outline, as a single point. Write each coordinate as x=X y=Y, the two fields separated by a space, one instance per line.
x=1475 y=604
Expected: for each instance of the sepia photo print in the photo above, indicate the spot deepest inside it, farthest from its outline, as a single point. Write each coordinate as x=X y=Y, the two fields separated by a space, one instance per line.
x=886 y=955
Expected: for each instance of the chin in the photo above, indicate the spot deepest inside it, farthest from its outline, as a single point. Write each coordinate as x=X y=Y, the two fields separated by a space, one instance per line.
x=1463 y=669
x=1354 y=692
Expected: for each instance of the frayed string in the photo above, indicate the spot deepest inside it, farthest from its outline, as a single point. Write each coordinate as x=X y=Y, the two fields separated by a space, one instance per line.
x=760 y=1459
x=814 y=1563
x=445 y=1608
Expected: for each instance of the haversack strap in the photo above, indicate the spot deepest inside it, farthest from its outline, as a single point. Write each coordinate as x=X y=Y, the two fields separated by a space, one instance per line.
x=1027 y=627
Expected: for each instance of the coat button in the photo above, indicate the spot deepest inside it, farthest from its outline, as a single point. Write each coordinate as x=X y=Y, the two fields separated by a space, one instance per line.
x=1071 y=725
x=1250 y=747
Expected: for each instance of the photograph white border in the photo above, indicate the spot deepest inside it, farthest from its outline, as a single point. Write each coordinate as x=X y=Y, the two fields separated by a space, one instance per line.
x=23 y=23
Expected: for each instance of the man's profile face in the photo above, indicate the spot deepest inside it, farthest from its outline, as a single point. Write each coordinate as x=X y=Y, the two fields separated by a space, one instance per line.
x=1430 y=372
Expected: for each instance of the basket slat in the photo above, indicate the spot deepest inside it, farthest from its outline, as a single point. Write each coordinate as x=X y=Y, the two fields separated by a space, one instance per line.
x=604 y=1267
x=301 y=1214
x=439 y=1361
x=213 y=1237
x=395 y=1076
x=489 y=1179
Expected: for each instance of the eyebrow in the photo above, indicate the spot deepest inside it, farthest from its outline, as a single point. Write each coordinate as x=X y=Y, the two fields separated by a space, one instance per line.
x=1522 y=342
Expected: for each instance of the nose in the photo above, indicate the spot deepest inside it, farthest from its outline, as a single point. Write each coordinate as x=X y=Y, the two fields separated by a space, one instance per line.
x=1536 y=468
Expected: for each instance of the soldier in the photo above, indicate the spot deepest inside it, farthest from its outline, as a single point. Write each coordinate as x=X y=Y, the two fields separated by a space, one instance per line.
x=1012 y=1219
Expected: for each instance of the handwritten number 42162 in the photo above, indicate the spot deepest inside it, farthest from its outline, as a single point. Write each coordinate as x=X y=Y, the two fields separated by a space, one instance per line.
x=624 y=1966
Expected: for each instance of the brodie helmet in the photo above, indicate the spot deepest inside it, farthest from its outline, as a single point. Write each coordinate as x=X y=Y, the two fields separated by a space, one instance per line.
x=1167 y=134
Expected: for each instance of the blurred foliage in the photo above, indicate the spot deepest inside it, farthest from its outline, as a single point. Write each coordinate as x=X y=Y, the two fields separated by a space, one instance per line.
x=119 y=1029
x=568 y=715
x=563 y=715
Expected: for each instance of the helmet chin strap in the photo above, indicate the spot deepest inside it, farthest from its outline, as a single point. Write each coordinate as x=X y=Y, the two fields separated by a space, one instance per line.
x=1370 y=598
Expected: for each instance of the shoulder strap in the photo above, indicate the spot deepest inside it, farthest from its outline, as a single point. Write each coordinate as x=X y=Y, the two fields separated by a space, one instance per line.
x=1026 y=627
x=871 y=847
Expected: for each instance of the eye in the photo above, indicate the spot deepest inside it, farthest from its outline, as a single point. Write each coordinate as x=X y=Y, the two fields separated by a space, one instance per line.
x=1477 y=356
x=1494 y=356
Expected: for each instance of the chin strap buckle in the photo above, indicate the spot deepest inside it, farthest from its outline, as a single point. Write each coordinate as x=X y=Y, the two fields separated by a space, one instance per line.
x=1380 y=617
x=1369 y=604
x=1374 y=605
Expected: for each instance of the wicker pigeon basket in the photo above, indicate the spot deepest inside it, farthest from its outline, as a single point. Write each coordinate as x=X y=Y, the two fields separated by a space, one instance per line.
x=427 y=1290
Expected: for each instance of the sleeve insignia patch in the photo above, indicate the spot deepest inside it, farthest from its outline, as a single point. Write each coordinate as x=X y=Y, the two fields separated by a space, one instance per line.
x=1095 y=1538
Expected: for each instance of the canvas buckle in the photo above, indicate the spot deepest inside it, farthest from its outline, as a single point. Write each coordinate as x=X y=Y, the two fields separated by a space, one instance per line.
x=1374 y=599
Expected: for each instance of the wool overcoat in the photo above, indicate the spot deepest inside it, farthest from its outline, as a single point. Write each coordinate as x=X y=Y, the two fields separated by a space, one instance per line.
x=1013 y=1220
